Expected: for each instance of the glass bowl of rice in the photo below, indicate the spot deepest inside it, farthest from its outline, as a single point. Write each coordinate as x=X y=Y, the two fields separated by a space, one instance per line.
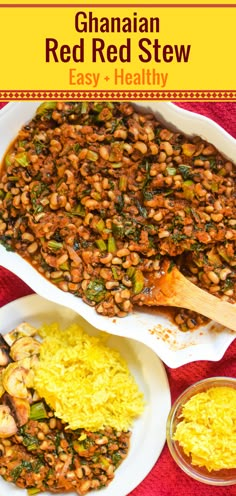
x=201 y=431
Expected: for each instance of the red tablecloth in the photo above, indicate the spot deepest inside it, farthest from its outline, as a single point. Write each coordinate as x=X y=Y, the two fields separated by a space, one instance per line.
x=166 y=479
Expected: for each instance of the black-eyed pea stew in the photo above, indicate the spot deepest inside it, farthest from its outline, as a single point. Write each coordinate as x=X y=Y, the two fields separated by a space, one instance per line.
x=95 y=195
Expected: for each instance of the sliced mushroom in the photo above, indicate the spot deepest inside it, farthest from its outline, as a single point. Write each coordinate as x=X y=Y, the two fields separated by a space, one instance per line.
x=19 y=407
x=7 y=423
x=22 y=330
x=24 y=347
x=14 y=380
x=4 y=352
x=29 y=362
x=2 y=390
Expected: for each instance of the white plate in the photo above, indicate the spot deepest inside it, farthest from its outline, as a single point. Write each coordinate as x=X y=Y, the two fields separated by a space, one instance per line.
x=149 y=431
x=174 y=347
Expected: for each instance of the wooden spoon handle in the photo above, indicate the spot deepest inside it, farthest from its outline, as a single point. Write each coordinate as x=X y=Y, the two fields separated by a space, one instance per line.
x=173 y=289
x=194 y=298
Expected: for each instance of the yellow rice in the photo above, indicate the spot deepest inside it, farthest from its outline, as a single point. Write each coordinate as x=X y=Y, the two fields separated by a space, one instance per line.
x=85 y=382
x=207 y=432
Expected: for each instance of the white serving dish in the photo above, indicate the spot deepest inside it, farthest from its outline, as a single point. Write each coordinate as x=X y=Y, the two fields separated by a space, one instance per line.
x=174 y=347
x=148 y=431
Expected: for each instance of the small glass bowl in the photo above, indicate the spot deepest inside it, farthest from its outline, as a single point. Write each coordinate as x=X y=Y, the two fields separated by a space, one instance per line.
x=224 y=477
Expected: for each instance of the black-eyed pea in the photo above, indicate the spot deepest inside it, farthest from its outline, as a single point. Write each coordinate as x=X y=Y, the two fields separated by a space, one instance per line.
x=209 y=209
x=118 y=299
x=103 y=478
x=8 y=451
x=44 y=445
x=135 y=259
x=91 y=204
x=63 y=285
x=32 y=248
x=200 y=190
x=85 y=486
x=158 y=216
x=191 y=323
x=165 y=134
x=167 y=147
x=127 y=263
x=6 y=442
x=55 y=146
x=86 y=470
x=151 y=213
x=128 y=148
x=16 y=201
x=110 y=471
x=126 y=306
x=162 y=157
x=179 y=319
x=3 y=227
x=125 y=294
x=26 y=236
x=229 y=292
x=62 y=259
x=207 y=185
x=41 y=436
x=120 y=133
x=163 y=234
x=104 y=152
x=141 y=147
x=153 y=148
x=216 y=217
x=178 y=159
x=168 y=180
x=228 y=166
x=101 y=440
x=112 y=195
x=56 y=274
x=207 y=174
x=229 y=235
x=44 y=427
x=84 y=284
x=52 y=423
x=127 y=282
x=25 y=198
x=208 y=150
x=94 y=484
x=214 y=278
x=68 y=173
x=57 y=201
x=117 y=261
x=214 y=289
x=156 y=265
x=111 y=285
x=106 y=259
x=79 y=472
x=123 y=252
x=193 y=269
x=217 y=206
x=105 y=274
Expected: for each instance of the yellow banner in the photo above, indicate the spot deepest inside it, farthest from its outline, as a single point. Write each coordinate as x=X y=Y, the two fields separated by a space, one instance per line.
x=110 y=48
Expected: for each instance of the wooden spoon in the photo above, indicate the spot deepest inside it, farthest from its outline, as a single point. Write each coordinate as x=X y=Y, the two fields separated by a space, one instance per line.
x=173 y=289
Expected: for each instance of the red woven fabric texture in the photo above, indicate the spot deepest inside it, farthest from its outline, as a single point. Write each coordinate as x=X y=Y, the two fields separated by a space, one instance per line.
x=166 y=479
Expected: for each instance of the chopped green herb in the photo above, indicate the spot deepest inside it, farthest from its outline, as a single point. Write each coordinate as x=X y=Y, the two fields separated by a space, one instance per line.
x=185 y=171
x=95 y=291
x=22 y=159
x=38 y=411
